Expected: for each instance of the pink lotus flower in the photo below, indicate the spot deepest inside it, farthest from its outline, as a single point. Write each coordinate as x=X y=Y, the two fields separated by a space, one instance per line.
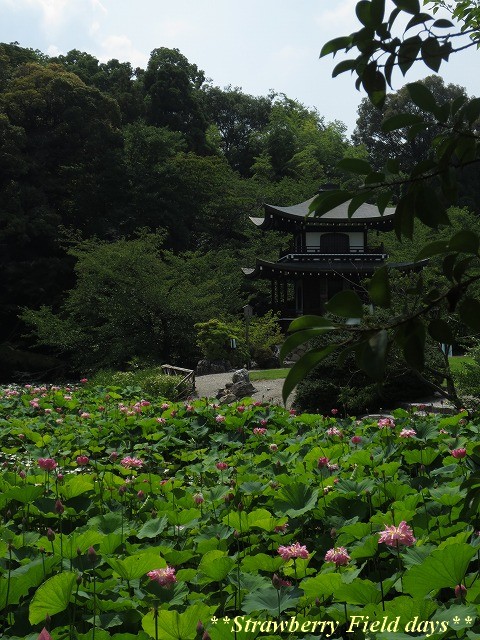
x=165 y=406
x=394 y=536
x=221 y=466
x=198 y=498
x=293 y=551
x=85 y=415
x=241 y=408
x=273 y=447
x=259 y=431
x=165 y=577
x=292 y=412
x=83 y=380
x=189 y=408
x=356 y=439
x=82 y=461
x=386 y=423
x=332 y=466
x=47 y=464
x=322 y=462
x=44 y=635
x=131 y=463
x=333 y=431
x=113 y=456
x=219 y=418
x=407 y=433
x=140 y=494
x=338 y=555
x=59 y=508
x=161 y=421
x=281 y=528
x=459 y=453
x=334 y=412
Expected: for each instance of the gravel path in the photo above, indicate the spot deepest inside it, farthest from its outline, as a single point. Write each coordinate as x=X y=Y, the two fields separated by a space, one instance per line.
x=266 y=390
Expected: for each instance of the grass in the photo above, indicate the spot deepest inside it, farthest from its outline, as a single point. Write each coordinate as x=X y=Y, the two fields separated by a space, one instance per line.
x=269 y=374
x=457 y=362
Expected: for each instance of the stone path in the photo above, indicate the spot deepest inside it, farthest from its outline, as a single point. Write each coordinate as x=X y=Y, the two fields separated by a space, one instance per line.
x=266 y=390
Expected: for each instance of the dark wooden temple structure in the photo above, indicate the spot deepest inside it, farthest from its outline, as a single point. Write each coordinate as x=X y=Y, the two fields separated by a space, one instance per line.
x=327 y=254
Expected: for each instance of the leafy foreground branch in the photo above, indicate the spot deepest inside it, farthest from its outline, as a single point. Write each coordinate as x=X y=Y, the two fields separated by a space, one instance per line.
x=423 y=193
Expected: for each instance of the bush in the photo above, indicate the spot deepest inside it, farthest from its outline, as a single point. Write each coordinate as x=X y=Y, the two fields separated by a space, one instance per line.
x=332 y=386
x=152 y=382
x=214 y=339
x=265 y=334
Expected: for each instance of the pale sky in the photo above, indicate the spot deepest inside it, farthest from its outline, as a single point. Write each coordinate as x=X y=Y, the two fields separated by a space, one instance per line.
x=257 y=45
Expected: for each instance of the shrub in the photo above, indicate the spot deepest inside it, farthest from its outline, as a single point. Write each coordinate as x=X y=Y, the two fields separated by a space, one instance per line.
x=151 y=382
x=214 y=339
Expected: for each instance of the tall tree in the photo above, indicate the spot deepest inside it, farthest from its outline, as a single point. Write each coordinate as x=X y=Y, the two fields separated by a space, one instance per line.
x=172 y=85
x=239 y=119
x=62 y=165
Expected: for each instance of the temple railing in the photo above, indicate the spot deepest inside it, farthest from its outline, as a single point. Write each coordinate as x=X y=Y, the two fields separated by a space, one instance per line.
x=314 y=257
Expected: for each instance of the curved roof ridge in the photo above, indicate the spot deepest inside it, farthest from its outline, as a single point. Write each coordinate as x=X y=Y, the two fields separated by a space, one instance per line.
x=301 y=210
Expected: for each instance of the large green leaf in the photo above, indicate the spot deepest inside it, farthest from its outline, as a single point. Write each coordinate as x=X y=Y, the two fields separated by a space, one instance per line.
x=443 y=568
x=322 y=585
x=295 y=499
x=298 y=338
x=469 y=312
x=301 y=368
x=271 y=600
x=346 y=304
x=137 y=565
x=358 y=592
x=171 y=625
x=153 y=528
x=355 y=165
x=379 y=288
x=262 y=562
x=216 y=565
x=52 y=597
x=399 y=121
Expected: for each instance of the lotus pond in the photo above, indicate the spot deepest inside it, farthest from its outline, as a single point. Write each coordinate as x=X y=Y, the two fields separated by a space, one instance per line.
x=125 y=517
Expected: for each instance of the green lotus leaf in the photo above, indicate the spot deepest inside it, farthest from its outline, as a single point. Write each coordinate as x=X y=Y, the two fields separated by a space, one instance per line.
x=216 y=565
x=443 y=568
x=153 y=528
x=137 y=565
x=52 y=597
x=171 y=625
x=271 y=600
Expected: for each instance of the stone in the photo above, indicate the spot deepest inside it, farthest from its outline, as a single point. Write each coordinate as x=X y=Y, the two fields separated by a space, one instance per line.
x=227 y=399
x=207 y=367
x=242 y=389
x=241 y=375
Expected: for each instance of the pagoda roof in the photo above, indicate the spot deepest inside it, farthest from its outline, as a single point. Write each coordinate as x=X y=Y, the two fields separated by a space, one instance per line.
x=366 y=214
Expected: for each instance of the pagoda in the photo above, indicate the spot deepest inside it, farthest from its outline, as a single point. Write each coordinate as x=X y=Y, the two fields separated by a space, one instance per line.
x=326 y=255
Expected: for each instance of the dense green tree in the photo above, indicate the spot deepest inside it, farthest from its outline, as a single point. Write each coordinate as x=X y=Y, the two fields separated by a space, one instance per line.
x=239 y=119
x=172 y=85
x=134 y=299
x=386 y=145
x=62 y=165
x=118 y=79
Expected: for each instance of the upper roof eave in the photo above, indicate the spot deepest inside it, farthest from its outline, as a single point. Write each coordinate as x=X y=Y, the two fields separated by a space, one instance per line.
x=366 y=212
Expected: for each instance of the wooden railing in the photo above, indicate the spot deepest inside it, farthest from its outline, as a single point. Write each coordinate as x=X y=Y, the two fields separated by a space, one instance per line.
x=186 y=386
